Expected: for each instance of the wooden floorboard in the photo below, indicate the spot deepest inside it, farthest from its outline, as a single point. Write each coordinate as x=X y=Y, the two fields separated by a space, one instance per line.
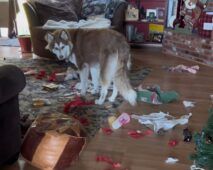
x=150 y=152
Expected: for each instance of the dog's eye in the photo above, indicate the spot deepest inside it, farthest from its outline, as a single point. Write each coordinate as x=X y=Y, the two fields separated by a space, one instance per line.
x=62 y=47
x=56 y=48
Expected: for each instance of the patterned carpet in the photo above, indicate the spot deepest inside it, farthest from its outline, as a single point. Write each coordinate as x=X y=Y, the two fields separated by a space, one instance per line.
x=92 y=117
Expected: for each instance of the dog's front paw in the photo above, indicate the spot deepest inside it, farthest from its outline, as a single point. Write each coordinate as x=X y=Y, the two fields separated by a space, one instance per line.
x=94 y=91
x=99 y=102
x=83 y=93
x=111 y=99
x=71 y=76
x=78 y=86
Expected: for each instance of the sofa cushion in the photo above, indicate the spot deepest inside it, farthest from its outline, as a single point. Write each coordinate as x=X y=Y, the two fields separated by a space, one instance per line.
x=68 y=10
x=94 y=7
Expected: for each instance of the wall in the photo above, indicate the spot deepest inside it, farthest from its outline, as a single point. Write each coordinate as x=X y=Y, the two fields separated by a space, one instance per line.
x=4 y=14
x=190 y=47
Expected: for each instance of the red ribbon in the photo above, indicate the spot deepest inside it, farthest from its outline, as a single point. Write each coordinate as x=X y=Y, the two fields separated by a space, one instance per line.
x=77 y=102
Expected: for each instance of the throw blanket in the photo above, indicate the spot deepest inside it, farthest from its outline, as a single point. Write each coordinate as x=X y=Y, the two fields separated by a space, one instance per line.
x=97 y=23
x=112 y=6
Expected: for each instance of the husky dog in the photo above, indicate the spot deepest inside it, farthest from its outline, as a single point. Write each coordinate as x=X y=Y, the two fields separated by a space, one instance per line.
x=102 y=52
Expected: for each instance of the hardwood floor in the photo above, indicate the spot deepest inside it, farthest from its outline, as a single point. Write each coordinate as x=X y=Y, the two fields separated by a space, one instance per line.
x=150 y=152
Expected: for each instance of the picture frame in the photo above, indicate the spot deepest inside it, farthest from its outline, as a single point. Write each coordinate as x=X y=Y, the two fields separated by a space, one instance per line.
x=161 y=14
x=132 y=14
x=157 y=37
x=151 y=14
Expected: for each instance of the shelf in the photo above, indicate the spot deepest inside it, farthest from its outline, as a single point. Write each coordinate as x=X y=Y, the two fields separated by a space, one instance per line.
x=152 y=44
x=146 y=22
x=145 y=42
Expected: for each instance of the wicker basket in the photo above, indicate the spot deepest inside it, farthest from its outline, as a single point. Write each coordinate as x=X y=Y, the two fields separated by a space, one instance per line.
x=53 y=141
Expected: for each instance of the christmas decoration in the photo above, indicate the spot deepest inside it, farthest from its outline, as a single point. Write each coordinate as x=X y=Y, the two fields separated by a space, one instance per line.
x=204 y=145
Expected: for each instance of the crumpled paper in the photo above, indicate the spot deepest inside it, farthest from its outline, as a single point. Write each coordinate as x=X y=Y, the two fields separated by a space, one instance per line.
x=188 y=104
x=161 y=120
x=171 y=160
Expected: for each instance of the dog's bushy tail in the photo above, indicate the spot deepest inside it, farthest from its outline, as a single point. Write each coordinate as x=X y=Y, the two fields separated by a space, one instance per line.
x=121 y=79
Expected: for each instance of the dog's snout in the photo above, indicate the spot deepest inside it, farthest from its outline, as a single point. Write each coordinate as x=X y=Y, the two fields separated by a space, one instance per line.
x=61 y=57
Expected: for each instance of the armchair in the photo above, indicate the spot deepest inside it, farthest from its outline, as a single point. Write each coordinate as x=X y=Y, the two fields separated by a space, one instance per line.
x=12 y=81
x=38 y=33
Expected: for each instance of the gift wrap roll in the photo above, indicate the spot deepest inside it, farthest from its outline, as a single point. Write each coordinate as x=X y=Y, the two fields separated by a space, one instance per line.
x=53 y=141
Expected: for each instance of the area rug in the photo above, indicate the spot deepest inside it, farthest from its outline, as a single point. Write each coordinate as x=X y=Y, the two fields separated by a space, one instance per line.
x=9 y=42
x=92 y=116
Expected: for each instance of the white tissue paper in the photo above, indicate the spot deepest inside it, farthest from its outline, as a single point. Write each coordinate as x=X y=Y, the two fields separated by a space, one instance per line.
x=171 y=160
x=161 y=120
x=188 y=103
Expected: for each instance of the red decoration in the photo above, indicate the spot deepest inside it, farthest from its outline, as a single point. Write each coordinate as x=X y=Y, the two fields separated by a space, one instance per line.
x=135 y=134
x=148 y=132
x=52 y=77
x=173 y=143
x=109 y=161
x=41 y=74
x=77 y=102
x=107 y=131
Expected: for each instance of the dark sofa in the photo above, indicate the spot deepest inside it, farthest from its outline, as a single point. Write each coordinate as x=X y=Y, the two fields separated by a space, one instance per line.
x=12 y=81
x=37 y=33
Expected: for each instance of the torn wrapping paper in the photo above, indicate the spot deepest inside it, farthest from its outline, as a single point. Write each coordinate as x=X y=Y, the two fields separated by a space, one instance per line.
x=78 y=102
x=39 y=102
x=188 y=104
x=161 y=120
x=30 y=72
x=154 y=95
x=183 y=68
x=57 y=77
x=108 y=160
x=171 y=160
x=50 y=86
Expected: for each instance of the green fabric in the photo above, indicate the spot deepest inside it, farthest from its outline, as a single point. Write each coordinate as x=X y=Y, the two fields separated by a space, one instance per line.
x=156 y=96
x=167 y=97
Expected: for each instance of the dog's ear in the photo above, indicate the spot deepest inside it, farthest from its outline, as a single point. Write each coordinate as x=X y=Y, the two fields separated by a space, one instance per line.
x=49 y=37
x=64 y=35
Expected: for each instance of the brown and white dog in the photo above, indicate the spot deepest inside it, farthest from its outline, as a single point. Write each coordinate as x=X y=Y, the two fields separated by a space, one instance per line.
x=102 y=52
